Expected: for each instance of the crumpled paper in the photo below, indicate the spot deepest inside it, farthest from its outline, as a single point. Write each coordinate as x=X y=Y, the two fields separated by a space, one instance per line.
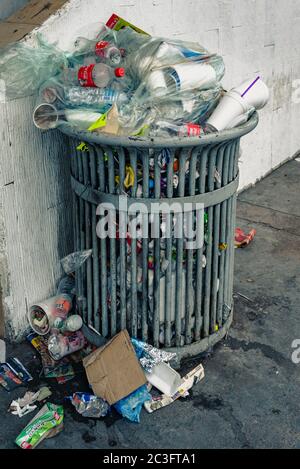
x=24 y=405
x=150 y=356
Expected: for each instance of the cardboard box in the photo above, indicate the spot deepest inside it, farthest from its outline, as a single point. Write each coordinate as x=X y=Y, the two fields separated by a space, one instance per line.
x=113 y=370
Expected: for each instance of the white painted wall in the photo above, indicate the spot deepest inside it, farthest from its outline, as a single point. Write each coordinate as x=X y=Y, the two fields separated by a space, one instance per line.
x=8 y=7
x=254 y=36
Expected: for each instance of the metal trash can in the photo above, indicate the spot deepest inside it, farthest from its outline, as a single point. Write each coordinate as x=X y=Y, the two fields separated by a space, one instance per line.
x=162 y=292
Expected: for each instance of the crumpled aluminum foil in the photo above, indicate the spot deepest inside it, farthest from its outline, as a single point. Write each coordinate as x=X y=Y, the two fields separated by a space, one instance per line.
x=150 y=356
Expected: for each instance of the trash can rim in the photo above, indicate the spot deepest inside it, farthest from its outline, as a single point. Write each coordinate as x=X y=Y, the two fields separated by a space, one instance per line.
x=159 y=142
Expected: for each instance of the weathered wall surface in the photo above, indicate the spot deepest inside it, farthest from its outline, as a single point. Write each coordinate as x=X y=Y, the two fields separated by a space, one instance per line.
x=8 y=7
x=254 y=36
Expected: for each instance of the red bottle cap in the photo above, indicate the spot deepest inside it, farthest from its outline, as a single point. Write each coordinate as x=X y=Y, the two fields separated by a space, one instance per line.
x=99 y=48
x=85 y=76
x=120 y=72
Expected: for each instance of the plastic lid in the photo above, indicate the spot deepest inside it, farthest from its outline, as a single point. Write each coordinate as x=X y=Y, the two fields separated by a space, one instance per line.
x=102 y=44
x=120 y=72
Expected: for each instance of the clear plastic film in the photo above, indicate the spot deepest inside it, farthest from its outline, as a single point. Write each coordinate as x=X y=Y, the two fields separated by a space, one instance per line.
x=75 y=260
x=23 y=69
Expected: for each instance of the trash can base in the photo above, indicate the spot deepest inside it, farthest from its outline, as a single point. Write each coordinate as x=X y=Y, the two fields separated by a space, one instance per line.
x=194 y=349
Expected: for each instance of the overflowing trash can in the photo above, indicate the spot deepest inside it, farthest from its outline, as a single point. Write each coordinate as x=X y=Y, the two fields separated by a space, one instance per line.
x=161 y=291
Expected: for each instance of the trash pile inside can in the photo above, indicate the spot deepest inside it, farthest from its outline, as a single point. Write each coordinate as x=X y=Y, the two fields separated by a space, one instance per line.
x=125 y=83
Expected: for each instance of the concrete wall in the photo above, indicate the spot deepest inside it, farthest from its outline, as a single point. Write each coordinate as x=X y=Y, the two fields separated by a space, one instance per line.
x=254 y=37
x=8 y=7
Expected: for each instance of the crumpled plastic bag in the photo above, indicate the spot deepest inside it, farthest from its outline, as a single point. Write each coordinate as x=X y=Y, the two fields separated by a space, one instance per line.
x=23 y=68
x=150 y=356
x=75 y=260
x=130 y=406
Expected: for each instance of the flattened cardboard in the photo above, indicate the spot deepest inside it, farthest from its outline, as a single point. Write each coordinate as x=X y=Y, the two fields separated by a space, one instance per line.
x=113 y=370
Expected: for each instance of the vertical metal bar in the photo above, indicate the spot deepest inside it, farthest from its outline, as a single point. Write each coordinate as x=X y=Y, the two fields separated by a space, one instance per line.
x=229 y=231
x=189 y=291
x=112 y=244
x=156 y=284
x=103 y=250
x=223 y=218
x=95 y=259
x=122 y=243
x=145 y=245
x=82 y=271
x=216 y=240
x=134 y=318
x=169 y=244
x=207 y=286
x=88 y=241
x=179 y=251
x=202 y=164
x=233 y=217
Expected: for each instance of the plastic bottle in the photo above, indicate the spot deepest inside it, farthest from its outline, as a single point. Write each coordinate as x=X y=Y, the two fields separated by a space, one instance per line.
x=72 y=324
x=105 y=50
x=183 y=130
x=60 y=345
x=94 y=75
x=93 y=96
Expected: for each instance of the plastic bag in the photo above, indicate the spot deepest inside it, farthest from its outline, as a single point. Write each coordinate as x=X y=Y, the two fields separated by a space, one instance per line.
x=130 y=407
x=23 y=69
x=48 y=418
x=75 y=260
x=89 y=405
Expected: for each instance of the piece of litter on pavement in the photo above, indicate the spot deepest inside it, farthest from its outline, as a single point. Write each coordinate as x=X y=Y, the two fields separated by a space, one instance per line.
x=188 y=381
x=241 y=239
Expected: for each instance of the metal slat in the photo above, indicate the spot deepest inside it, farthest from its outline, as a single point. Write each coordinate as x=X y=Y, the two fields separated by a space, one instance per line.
x=123 y=246
x=133 y=256
x=207 y=287
x=95 y=258
x=145 y=244
x=156 y=284
x=169 y=245
x=216 y=240
x=103 y=250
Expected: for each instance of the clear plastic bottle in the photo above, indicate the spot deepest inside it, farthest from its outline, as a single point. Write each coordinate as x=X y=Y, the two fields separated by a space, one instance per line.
x=105 y=50
x=60 y=345
x=170 y=128
x=78 y=96
x=94 y=75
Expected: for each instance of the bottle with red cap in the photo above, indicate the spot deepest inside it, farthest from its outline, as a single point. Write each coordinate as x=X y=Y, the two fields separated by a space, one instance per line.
x=97 y=75
x=106 y=51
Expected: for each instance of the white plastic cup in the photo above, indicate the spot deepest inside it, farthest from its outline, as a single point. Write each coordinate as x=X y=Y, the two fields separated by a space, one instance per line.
x=230 y=107
x=45 y=116
x=255 y=92
x=187 y=76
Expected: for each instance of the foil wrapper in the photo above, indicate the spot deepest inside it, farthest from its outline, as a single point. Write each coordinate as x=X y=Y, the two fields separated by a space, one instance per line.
x=89 y=405
x=150 y=356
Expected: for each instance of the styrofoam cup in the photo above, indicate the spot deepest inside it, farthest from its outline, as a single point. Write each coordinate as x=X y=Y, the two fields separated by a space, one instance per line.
x=230 y=107
x=255 y=92
x=45 y=116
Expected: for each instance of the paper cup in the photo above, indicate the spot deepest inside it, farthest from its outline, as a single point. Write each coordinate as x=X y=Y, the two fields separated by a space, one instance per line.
x=45 y=116
x=255 y=92
x=230 y=107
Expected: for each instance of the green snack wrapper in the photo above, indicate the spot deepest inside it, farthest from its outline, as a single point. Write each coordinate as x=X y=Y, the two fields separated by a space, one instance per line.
x=48 y=418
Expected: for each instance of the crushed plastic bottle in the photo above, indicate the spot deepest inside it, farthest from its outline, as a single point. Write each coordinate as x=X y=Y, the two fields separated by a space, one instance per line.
x=93 y=96
x=61 y=345
x=172 y=129
x=106 y=51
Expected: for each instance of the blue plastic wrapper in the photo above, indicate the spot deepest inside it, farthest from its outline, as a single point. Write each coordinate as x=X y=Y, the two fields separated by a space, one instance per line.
x=130 y=407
